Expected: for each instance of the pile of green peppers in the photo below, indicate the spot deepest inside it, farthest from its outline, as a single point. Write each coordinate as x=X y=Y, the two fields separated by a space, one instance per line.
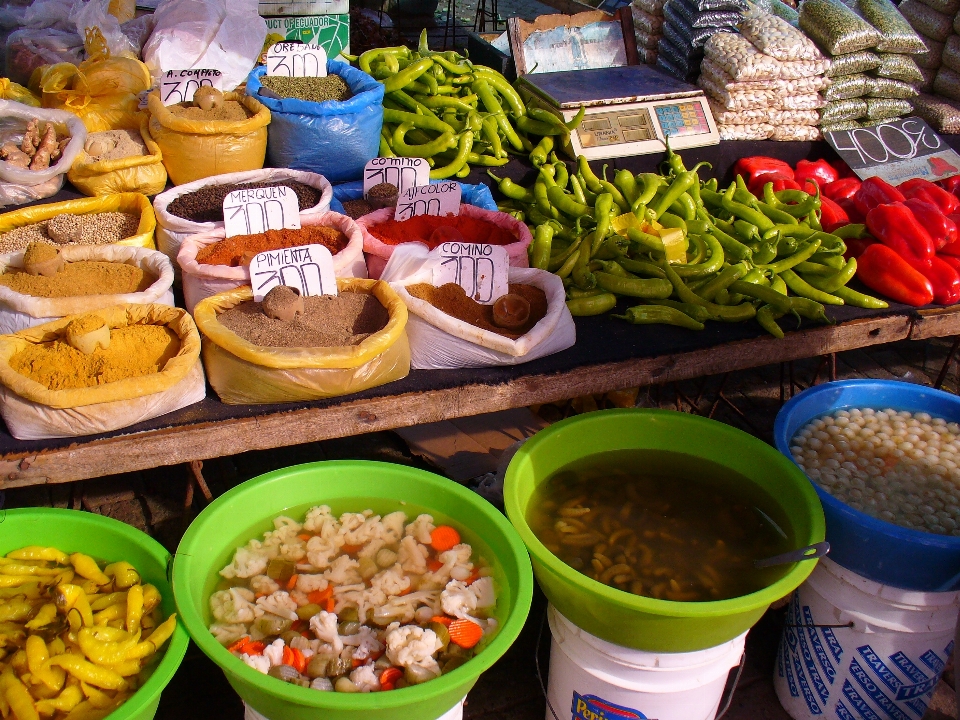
x=745 y=257
x=442 y=107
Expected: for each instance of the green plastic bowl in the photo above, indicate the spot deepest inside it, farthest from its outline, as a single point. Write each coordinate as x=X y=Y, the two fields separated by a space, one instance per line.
x=106 y=539
x=640 y=622
x=248 y=511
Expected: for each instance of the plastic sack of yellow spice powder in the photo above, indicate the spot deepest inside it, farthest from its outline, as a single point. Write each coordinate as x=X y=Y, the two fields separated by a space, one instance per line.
x=19 y=311
x=201 y=281
x=243 y=373
x=441 y=341
x=10 y=90
x=140 y=173
x=121 y=202
x=193 y=149
x=32 y=412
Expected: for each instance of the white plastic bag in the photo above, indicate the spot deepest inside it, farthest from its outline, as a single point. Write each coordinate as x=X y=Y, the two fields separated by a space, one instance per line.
x=227 y=35
x=89 y=14
x=202 y=281
x=29 y=48
x=172 y=229
x=439 y=341
x=19 y=311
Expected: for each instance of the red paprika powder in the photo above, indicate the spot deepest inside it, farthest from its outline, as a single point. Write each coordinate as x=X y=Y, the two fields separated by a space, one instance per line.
x=420 y=227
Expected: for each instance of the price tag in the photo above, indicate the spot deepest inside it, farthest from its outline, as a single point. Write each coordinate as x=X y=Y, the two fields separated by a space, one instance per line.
x=308 y=268
x=896 y=151
x=296 y=60
x=405 y=173
x=257 y=210
x=481 y=270
x=178 y=86
x=440 y=199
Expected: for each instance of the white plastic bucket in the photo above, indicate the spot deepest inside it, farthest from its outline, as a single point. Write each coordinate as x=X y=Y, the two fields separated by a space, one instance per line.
x=454 y=713
x=853 y=648
x=591 y=678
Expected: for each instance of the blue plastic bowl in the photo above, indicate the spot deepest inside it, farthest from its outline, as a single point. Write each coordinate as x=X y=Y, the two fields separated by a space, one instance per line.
x=878 y=550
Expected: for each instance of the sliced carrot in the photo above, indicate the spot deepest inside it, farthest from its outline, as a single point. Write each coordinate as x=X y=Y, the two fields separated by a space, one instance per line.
x=474 y=576
x=330 y=605
x=442 y=619
x=292 y=582
x=405 y=592
x=389 y=677
x=304 y=537
x=352 y=549
x=465 y=633
x=294 y=658
x=443 y=538
x=318 y=596
x=240 y=644
x=255 y=648
x=387 y=686
x=433 y=564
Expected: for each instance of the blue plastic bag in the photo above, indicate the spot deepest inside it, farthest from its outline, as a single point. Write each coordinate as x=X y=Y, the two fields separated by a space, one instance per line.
x=334 y=139
x=477 y=195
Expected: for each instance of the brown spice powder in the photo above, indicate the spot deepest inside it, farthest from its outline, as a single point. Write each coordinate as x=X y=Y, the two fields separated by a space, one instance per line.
x=135 y=351
x=231 y=251
x=452 y=300
x=230 y=111
x=327 y=321
x=80 y=278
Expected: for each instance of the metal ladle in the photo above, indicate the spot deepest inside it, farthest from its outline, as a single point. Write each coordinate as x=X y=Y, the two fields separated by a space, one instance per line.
x=810 y=552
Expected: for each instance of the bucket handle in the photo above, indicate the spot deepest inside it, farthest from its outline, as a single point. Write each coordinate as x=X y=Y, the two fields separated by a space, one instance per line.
x=725 y=702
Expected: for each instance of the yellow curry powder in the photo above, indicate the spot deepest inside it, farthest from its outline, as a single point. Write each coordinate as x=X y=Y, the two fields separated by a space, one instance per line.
x=134 y=351
x=84 y=324
x=80 y=278
x=37 y=252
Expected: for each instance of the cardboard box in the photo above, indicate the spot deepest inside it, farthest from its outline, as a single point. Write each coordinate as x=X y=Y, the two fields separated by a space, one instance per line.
x=331 y=32
x=277 y=8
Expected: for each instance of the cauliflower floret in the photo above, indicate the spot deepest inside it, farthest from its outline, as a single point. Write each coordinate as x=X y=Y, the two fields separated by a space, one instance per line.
x=233 y=606
x=324 y=626
x=413 y=556
x=457 y=600
x=279 y=603
x=421 y=528
x=456 y=566
x=365 y=641
x=391 y=581
x=249 y=560
x=360 y=528
x=300 y=598
x=412 y=645
x=274 y=652
x=393 y=526
x=228 y=633
x=321 y=551
x=261 y=663
x=285 y=539
x=403 y=607
x=263 y=585
x=365 y=678
x=309 y=583
x=371 y=549
x=321 y=522
x=344 y=571
x=483 y=589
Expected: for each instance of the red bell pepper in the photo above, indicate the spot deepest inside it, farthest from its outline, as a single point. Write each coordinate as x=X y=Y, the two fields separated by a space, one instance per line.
x=951 y=184
x=832 y=215
x=852 y=211
x=857 y=246
x=941 y=229
x=925 y=190
x=780 y=182
x=954 y=247
x=843 y=170
x=943 y=278
x=895 y=225
x=951 y=260
x=876 y=191
x=753 y=167
x=842 y=189
x=882 y=270
x=818 y=170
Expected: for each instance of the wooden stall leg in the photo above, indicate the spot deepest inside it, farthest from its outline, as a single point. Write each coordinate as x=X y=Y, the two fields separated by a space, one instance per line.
x=195 y=478
x=833 y=367
x=716 y=403
x=946 y=363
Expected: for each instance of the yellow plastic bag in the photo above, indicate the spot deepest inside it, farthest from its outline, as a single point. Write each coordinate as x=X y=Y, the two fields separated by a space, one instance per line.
x=193 y=150
x=123 y=10
x=142 y=174
x=31 y=411
x=10 y=90
x=102 y=91
x=122 y=202
x=244 y=373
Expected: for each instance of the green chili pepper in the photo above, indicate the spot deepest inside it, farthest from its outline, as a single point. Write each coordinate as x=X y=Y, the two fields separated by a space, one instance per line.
x=746 y=231
x=500 y=84
x=748 y=214
x=577 y=190
x=511 y=190
x=407 y=75
x=645 y=240
x=574 y=292
x=804 y=289
x=463 y=105
x=698 y=226
x=406 y=101
x=542 y=200
x=542 y=243
x=672 y=221
x=627 y=184
x=537 y=127
x=678 y=187
x=659 y=314
x=365 y=59
x=611 y=267
x=575 y=121
x=767 y=316
x=561 y=175
x=634 y=287
x=451 y=67
x=401 y=148
x=424 y=122
x=777 y=215
x=571 y=262
x=593 y=305
x=601 y=214
x=492 y=135
x=639 y=267
x=459 y=162
x=852 y=297
x=697 y=312
x=803 y=254
x=767 y=295
x=684 y=207
x=813 y=220
x=490 y=102
x=582 y=277
x=812 y=268
x=559 y=260
x=385 y=149
x=778 y=284
x=841 y=278
x=699 y=250
x=722 y=281
x=801 y=232
x=810 y=309
x=539 y=154
x=712 y=265
x=485 y=160
x=587 y=175
x=674 y=161
x=721 y=312
x=830 y=243
x=851 y=231
x=733 y=247
x=711 y=198
x=651 y=183
x=829 y=259
x=618 y=198
x=566 y=203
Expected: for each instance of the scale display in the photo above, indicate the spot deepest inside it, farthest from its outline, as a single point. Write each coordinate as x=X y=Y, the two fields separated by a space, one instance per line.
x=629 y=110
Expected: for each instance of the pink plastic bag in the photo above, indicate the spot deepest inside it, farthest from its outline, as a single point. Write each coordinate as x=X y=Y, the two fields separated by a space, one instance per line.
x=379 y=252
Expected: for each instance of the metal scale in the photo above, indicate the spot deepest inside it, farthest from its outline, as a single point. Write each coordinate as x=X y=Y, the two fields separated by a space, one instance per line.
x=630 y=110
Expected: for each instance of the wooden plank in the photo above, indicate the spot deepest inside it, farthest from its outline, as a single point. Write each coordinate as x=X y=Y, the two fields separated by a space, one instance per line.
x=937 y=322
x=201 y=441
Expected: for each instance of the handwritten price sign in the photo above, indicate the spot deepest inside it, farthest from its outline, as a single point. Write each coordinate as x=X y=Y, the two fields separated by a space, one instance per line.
x=257 y=210
x=296 y=60
x=439 y=199
x=481 y=270
x=308 y=268
x=896 y=151
x=404 y=173
x=177 y=86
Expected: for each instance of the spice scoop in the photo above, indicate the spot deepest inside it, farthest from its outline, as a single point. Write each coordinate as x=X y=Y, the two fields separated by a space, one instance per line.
x=511 y=311
x=383 y=195
x=87 y=333
x=42 y=259
x=283 y=303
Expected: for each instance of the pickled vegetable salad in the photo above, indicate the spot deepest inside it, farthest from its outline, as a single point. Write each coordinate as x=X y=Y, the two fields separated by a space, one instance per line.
x=357 y=604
